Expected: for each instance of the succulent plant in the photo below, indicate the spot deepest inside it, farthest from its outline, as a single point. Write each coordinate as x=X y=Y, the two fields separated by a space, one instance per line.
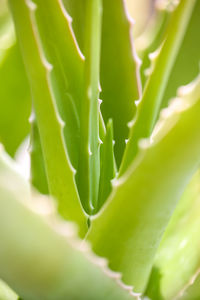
x=110 y=207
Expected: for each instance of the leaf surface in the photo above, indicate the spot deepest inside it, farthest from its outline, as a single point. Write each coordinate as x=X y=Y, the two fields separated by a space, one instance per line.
x=119 y=72
x=89 y=155
x=108 y=168
x=130 y=227
x=38 y=172
x=14 y=89
x=59 y=171
x=40 y=238
x=178 y=257
x=150 y=103
x=6 y=293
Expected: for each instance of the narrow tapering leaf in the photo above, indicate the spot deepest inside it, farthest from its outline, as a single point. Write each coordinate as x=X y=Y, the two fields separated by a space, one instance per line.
x=77 y=10
x=59 y=171
x=164 y=59
x=38 y=172
x=186 y=66
x=62 y=52
x=119 y=68
x=89 y=156
x=108 y=168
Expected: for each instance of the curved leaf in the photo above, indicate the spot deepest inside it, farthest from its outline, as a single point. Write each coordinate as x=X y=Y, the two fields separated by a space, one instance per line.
x=178 y=257
x=59 y=171
x=119 y=72
x=130 y=227
x=58 y=265
x=149 y=106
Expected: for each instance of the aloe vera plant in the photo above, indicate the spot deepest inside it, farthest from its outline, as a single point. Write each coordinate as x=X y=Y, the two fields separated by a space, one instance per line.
x=109 y=122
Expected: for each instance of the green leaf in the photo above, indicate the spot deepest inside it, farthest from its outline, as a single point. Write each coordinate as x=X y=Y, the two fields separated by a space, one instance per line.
x=119 y=72
x=14 y=90
x=119 y=67
x=6 y=293
x=36 y=240
x=15 y=101
x=192 y=290
x=38 y=173
x=59 y=171
x=77 y=10
x=131 y=225
x=108 y=168
x=151 y=39
x=186 y=66
x=149 y=105
x=89 y=159
x=178 y=257
x=62 y=52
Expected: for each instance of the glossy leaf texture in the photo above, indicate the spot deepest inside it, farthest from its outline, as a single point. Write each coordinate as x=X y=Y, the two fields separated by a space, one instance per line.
x=59 y=171
x=14 y=90
x=178 y=257
x=119 y=73
x=139 y=209
x=162 y=64
x=66 y=269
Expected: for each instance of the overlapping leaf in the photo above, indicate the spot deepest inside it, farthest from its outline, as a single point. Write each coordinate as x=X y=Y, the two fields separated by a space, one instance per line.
x=60 y=268
x=150 y=103
x=89 y=155
x=119 y=72
x=130 y=227
x=59 y=171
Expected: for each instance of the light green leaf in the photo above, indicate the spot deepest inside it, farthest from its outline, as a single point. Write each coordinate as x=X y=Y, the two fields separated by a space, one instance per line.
x=108 y=168
x=59 y=171
x=186 y=66
x=61 y=51
x=149 y=106
x=178 y=257
x=38 y=173
x=89 y=158
x=131 y=225
x=77 y=10
x=192 y=291
x=58 y=265
x=119 y=66
x=15 y=101
x=151 y=39
x=119 y=72
x=6 y=293
x=14 y=90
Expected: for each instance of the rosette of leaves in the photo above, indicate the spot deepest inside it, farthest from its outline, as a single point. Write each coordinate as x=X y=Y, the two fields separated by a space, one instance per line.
x=111 y=207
